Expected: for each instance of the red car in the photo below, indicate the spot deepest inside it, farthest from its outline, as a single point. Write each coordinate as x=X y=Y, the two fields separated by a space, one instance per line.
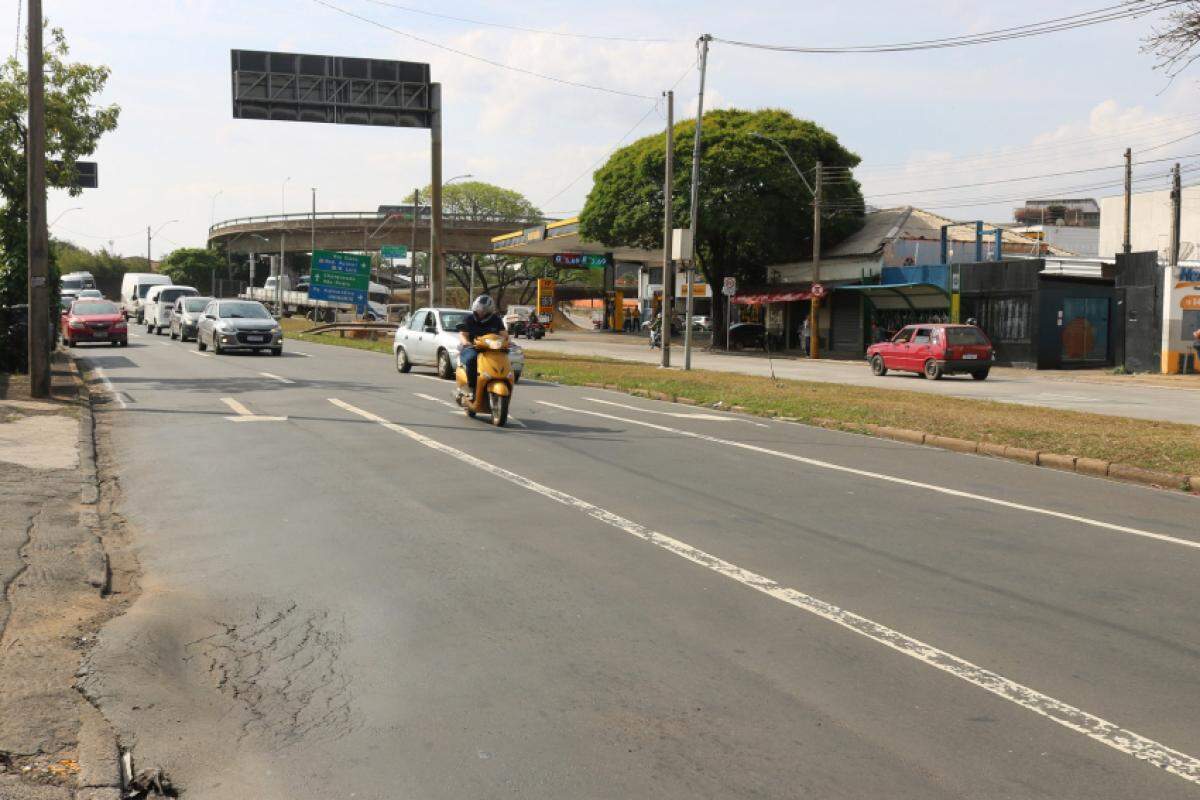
x=934 y=350
x=92 y=320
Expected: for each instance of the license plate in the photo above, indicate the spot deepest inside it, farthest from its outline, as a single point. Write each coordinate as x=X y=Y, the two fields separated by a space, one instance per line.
x=256 y=338
x=99 y=334
x=970 y=356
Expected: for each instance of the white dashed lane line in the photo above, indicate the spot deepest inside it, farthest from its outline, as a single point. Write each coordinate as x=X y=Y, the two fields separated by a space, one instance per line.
x=279 y=378
x=1101 y=730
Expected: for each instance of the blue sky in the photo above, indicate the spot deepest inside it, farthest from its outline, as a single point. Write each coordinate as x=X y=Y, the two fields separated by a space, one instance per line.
x=919 y=121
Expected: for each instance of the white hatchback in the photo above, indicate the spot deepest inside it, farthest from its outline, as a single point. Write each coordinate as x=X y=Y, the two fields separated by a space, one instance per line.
x=429 y=337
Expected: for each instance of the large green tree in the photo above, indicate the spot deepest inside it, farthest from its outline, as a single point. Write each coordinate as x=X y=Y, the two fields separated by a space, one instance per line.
x=192 y=266
x=754 y=209
x=74 y=125
x=476 y=201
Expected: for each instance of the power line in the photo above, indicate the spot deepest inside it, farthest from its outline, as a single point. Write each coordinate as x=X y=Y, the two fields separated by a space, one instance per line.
x=1054 y=25
x=490 y=62
x=542 y=31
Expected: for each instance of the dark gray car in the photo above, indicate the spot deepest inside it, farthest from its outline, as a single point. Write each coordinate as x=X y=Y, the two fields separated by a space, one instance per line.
x=185 y=317
x=238 y=325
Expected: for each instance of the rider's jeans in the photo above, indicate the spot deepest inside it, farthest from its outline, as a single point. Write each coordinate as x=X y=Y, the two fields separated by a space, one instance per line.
x=469 y=358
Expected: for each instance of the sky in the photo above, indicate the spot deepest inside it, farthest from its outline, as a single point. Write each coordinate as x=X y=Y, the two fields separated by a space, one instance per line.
x=921 y=122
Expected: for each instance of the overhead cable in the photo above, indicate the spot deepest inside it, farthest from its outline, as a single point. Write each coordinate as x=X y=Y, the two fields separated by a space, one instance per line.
x=482 y=59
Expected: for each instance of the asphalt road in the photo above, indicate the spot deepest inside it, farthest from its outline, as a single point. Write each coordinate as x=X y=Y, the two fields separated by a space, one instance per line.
x=1005 y=385
x=362 y=593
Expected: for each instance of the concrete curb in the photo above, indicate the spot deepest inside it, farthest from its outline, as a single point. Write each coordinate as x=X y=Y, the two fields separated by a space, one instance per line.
x=1093 y=467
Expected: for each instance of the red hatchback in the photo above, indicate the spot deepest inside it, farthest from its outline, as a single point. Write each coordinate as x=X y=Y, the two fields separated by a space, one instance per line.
x=934 y=350
x=90 y=320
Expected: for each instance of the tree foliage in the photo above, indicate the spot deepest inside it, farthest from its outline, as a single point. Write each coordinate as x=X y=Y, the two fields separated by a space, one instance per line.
x=192 y=266
x=74 y=125
x=1175 y=43
x=754 y=209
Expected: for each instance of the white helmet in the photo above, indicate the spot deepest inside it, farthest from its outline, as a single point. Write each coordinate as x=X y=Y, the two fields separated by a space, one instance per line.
x=484 y=306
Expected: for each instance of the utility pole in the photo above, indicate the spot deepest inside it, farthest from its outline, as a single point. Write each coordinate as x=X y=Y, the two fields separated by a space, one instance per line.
x=814 y=327
x=148 y=267
x=668 y=268
x=1126 y=246
x=695 y=197
x=313 y=243
x=38 y=245
x=1176 y=209
x=412 y=255
x=471 y=291
x=437 y=267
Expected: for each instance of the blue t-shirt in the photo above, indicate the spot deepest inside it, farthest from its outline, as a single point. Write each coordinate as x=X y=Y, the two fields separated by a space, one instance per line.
x=475 y=327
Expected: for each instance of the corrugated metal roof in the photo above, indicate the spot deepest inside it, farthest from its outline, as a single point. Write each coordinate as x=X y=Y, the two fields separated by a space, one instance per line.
x=906 y=222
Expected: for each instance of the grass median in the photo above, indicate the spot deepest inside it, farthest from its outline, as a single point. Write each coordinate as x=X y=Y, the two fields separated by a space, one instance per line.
x=294 y=327
x=1141 y=443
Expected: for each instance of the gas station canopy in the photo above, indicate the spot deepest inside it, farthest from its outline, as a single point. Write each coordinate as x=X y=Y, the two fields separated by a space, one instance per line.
x=563 y=237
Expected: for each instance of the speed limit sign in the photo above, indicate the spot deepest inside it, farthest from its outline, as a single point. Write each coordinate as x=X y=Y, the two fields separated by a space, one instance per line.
x=818 y=290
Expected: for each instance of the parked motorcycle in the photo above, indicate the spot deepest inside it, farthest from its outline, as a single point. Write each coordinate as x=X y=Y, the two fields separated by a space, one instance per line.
x=494 y=386
x=535 y=330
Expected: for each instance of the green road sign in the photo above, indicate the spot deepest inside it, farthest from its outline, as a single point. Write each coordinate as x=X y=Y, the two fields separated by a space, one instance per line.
x=340 y=277
x=393 y=251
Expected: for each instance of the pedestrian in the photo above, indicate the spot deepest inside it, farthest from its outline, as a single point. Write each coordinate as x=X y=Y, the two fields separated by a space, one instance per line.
x=1196 y=347
x=806 y=336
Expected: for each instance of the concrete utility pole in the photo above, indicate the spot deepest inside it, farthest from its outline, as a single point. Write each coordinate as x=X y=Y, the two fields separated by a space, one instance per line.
x=38 y=244
x=695 y=195
x=282 y=242
x=1126 y=246
x=437 y=269
x=668 y=268
x=412 y=255
x=148 y=267
x=313 y=243
x=1176 y=213
x=814 y=309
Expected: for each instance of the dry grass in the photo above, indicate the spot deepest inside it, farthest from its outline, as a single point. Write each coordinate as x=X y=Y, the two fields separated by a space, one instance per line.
x=1142 y=443
x=294 y=327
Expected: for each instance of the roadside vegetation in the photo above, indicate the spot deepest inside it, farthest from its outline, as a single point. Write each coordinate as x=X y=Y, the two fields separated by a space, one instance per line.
x=1140 y=443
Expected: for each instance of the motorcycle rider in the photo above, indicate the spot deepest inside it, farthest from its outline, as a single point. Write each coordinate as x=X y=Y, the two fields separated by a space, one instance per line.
x=482 y=319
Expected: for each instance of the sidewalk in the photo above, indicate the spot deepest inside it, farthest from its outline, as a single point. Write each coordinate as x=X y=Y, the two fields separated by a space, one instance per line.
x=1153 y=397
x=54 y=575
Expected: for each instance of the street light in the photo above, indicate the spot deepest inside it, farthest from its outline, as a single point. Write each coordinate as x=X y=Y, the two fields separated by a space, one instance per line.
x=212 y=208
x=64 y=213
x=814 y=343
x=150 y=235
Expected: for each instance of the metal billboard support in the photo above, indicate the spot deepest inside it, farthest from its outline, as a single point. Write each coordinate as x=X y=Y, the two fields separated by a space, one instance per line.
x=438 y=266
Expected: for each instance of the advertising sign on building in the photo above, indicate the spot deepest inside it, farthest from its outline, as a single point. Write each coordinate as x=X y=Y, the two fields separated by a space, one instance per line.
x=1181 y=318
x=579 y=260
x=340 y=277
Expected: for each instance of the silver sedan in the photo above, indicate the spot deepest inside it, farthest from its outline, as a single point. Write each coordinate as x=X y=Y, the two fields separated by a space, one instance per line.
x=229 y=325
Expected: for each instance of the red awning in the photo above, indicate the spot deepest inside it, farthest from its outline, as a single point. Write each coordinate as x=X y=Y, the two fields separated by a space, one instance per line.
x=770 y=297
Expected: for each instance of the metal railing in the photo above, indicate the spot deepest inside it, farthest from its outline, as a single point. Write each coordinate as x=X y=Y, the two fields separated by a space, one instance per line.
x=376 y=216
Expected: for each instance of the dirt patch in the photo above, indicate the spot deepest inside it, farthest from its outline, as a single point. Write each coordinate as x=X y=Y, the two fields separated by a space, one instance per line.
x=45 y=441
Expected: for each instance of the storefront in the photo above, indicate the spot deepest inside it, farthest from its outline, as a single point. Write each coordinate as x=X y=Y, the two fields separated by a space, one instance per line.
x=862 y=315
x=781 y=311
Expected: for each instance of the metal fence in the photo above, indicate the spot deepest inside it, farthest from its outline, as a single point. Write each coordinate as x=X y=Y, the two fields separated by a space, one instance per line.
x=377 y=216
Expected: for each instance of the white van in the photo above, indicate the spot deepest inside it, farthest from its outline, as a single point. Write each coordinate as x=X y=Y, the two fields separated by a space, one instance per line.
x=157 y=305
x=71 y=284
x=134 y=286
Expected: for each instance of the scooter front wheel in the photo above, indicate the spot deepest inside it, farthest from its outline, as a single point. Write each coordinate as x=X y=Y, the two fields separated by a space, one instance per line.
x=499 y=409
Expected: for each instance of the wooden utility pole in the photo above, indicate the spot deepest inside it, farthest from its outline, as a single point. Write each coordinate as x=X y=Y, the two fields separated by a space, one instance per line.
x=38 y=246
x=1176 y=209
x=814 y=345
x=1126 y=246
x=412 y=254
x=437 y=268
x=668 y=268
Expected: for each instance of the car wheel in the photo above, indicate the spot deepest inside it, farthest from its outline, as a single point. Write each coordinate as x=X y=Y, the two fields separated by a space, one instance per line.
x=216 y=346
x=70 y=342
x=149 y=328
x=445 y=365
x=980 y=374
x=116 y=343
x=517 y=376
x=402 y=362
x=276 y=351
x=171 y=334
x=200 y=345
x=878 y=367
x=932 y=371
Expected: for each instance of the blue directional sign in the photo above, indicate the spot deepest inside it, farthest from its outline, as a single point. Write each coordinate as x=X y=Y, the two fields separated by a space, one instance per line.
x=340 y=278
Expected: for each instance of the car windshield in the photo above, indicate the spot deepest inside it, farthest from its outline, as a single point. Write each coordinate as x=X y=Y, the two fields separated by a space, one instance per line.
x=145 y=287
x=195 y=304
x=170 y=295
x=94 y=307
x=962 y=336
x=72 y=283
x=452 y=319
x=243 y=311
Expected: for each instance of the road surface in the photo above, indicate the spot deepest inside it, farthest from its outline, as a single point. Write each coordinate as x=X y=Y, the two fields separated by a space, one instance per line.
x=351 y=590
x=1028 y=387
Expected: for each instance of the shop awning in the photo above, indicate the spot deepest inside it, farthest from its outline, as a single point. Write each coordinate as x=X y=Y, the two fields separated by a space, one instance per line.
x=757 y=299
x=903 y=296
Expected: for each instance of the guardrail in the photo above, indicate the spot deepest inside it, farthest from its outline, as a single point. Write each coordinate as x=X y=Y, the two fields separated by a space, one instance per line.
x=379 y=327
x=377 y=216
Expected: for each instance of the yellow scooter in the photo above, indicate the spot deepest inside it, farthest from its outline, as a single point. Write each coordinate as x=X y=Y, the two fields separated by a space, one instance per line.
x=493 y=389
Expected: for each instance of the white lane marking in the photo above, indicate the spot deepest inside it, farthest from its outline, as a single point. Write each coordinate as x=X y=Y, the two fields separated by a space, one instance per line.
x=428 y=377
x=456 y=409
x=302 y=355
x=1162 y=537
x=165 y=344
x=276 y=377
x=112 y=390
x=679 y=414
x=246 y=415
x=198 y=353
x=1101 y=730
